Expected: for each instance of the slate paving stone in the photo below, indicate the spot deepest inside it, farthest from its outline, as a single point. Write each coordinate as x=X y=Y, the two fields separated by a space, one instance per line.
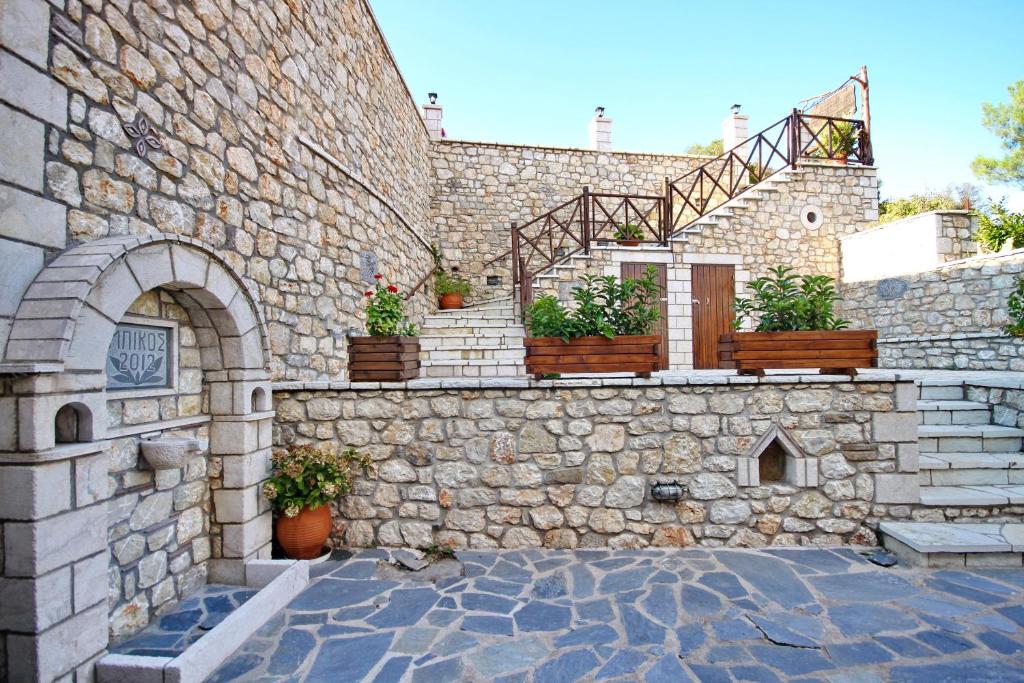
x=610 y=615
x=959 y=671
x=622 y=663
x=568 y=667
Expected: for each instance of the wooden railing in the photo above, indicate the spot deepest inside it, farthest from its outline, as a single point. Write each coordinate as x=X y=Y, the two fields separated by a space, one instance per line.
x=572 y=227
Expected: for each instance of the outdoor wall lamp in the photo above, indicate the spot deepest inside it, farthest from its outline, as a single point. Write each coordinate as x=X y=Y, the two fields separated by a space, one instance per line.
x=735 y=109
x=599 y=111
x=433 y=97
x=667 y=492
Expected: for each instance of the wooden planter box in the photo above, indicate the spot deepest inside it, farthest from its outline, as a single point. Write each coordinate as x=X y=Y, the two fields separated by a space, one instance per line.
x=383 y=359
x=836 y=352
x=593 y=355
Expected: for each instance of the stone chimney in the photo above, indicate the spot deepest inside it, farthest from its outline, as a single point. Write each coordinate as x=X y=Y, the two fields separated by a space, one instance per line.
x=600 y=131
x=735 y=128
x=432 y=117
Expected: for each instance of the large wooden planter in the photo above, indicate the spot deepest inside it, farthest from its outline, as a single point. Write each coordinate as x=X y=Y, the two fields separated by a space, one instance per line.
x=593 y=355
x=836 y=352
x=383 y=359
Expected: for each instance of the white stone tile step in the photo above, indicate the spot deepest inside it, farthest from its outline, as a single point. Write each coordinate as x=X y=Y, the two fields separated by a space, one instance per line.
x=972 y=496
x=932 y=412
x=948 y=537
x=942 y=390
x=964 y=461
x=455 y=362
x=473 y=354
x=984 y=431
x=494 y=342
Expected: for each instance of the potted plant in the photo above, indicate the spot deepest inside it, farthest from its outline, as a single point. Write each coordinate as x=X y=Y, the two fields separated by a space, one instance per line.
x=796 y=327
x=609 y=330
x=628 y=234
x=391 y=352
x=451 y=289
x=840 y=140
x=304 y=479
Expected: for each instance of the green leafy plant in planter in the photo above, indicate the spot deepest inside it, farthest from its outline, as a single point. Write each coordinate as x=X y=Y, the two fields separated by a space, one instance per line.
x=605 y=307
x=628 y=232
x=385 y=312
x=451 y=288
x=999 y=227
x=783 y=302
x=1015 y=304
x=840 y=139
x=304 y=479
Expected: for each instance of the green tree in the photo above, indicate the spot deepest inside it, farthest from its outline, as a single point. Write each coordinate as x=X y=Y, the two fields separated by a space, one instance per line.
x=901 y=207
x=1007 y=122
x=712 y=149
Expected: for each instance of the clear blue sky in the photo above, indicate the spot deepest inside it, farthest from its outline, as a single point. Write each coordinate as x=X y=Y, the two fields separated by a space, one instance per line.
x=532 y=71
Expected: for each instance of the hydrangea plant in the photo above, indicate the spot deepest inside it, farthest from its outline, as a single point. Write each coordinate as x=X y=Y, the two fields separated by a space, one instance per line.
x=308 y=476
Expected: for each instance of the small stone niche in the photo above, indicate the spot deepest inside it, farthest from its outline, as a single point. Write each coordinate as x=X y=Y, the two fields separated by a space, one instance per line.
x=776 y=458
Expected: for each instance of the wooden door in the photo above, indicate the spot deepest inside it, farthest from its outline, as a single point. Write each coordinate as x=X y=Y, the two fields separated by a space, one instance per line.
x=714 y=290
x=636 y=271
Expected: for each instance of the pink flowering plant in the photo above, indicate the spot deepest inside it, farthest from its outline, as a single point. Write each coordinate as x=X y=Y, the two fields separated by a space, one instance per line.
x=308 y=476
x=385 y=311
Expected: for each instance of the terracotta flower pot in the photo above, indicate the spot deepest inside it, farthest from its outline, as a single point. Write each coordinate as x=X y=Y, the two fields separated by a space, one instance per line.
x=450 y=301
x=303 y=535
x=628 y=243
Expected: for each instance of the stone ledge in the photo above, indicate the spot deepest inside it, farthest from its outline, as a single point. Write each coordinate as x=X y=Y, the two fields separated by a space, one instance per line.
x=667 y=379
x=204 y=656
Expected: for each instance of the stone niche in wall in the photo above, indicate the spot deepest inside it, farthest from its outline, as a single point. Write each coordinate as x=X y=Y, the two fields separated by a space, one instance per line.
x=571 y=463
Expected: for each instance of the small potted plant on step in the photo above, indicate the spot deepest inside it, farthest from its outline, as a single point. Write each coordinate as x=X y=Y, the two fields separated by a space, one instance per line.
x=628 y=234
x=609 y=330
x=795 y=327
x=305 y=478
x=452 y=289
x=391 y=352
x=840 y=139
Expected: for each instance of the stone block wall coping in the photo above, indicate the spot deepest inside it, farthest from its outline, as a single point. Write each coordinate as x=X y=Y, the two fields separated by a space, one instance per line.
x=62 y=452
x=176 y=423
x=250 y=417
x=942 y=337
x=880 y=226
x=365 y=184
x=30 y=368
x=693 y=378
x=580 y=150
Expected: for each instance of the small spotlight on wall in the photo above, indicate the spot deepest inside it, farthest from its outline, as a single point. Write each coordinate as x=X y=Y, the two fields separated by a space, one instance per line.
x=735 y=109
x=667 y=492
x=599 y=111
x=433 y=97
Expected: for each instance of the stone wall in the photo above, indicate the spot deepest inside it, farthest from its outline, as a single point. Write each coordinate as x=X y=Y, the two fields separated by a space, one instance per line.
x=160 y=521
x=950 y=318
x=480 y=188
x=912 y=245
x=570 y=463
x=286 y=139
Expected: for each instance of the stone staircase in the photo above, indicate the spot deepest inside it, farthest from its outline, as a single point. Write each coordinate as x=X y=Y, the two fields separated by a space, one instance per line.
x=482 y=340
x=966 y=461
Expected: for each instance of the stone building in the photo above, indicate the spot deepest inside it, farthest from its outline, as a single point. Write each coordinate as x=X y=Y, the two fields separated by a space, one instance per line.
x=193 y=197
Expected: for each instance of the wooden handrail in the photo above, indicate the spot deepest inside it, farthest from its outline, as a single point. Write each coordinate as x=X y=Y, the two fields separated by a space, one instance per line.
x=423 y=280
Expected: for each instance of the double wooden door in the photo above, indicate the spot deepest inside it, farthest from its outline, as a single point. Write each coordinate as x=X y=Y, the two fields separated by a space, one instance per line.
x=636 y=271
x=714 y=291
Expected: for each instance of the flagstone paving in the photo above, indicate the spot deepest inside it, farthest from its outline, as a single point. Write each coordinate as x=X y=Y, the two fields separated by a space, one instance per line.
x=550 y=616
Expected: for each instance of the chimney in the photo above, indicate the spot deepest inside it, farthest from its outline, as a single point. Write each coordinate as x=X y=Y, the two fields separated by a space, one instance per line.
x=735 y=128
x=600 y=131
x=432 y=117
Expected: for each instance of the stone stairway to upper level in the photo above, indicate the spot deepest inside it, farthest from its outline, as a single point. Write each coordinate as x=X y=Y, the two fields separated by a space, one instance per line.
x=967 y=463
x=482 y=340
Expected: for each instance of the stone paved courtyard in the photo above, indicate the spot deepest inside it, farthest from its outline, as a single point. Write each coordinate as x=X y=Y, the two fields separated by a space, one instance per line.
x=551 y=616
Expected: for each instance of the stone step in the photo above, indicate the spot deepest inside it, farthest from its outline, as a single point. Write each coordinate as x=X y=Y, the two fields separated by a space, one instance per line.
x=476 y=353
x=978 y=495
x=932 y=412
x=941 y=390
x=465 y=317
x=965 y=461
x=462 y=369
x=440 y=341
x=946 y=544
x=969 y=438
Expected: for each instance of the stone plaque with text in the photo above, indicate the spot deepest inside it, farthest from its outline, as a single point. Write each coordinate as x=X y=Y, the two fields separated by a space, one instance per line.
x=139 y=357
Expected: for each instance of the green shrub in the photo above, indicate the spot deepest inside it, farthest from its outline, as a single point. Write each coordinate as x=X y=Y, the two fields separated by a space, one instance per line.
x=453 y=283
x=904 y=207
x=783 y=302
x=999 y=226
x=604 y=307
x=628 y=231
x=1015 y=303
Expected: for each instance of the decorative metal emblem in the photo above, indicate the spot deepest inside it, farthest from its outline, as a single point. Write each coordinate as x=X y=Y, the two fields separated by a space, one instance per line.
x=891 y=288
x=143 y=134
x=667 y=491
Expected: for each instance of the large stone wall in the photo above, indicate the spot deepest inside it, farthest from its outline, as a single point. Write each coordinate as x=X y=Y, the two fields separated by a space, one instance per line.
x=949 y=318
x=481 y=188
x=288 y=141
x=570 y=464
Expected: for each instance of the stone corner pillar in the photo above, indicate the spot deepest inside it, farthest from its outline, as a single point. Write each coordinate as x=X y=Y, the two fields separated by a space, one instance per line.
x=735 y=129
x=600 y=133
x=432 y=117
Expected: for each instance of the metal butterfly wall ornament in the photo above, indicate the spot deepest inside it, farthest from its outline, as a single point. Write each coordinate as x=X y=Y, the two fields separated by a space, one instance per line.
x=143 y=134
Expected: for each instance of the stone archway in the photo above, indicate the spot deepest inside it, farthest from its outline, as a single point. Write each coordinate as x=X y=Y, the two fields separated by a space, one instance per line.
x=56 y=395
